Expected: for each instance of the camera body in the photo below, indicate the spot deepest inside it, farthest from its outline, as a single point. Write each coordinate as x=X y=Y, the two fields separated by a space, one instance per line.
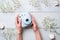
x=26 y=19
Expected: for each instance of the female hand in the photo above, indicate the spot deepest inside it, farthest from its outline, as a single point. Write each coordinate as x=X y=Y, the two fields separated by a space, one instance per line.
x=35 y=28
x=34 y=25
x=18 y=25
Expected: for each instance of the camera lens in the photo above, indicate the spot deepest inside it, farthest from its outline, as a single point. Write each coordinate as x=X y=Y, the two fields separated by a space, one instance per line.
x=27 y=20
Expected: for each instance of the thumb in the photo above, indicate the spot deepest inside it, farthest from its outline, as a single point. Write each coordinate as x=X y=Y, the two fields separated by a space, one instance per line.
x=20 y=22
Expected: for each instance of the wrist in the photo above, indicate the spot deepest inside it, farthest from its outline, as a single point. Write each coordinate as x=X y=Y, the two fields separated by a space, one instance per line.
x=35 y=30
x=18 y=32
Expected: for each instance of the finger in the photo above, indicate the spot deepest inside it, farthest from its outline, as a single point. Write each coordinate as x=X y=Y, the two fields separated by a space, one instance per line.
x=33 y=19
x=20 y=22
x=17 y=19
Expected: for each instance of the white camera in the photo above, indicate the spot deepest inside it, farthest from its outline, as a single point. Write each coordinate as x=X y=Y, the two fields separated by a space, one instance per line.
x=26 y=19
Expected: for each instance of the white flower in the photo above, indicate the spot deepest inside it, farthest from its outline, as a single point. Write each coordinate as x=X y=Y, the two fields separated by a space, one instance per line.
x=8 y=5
